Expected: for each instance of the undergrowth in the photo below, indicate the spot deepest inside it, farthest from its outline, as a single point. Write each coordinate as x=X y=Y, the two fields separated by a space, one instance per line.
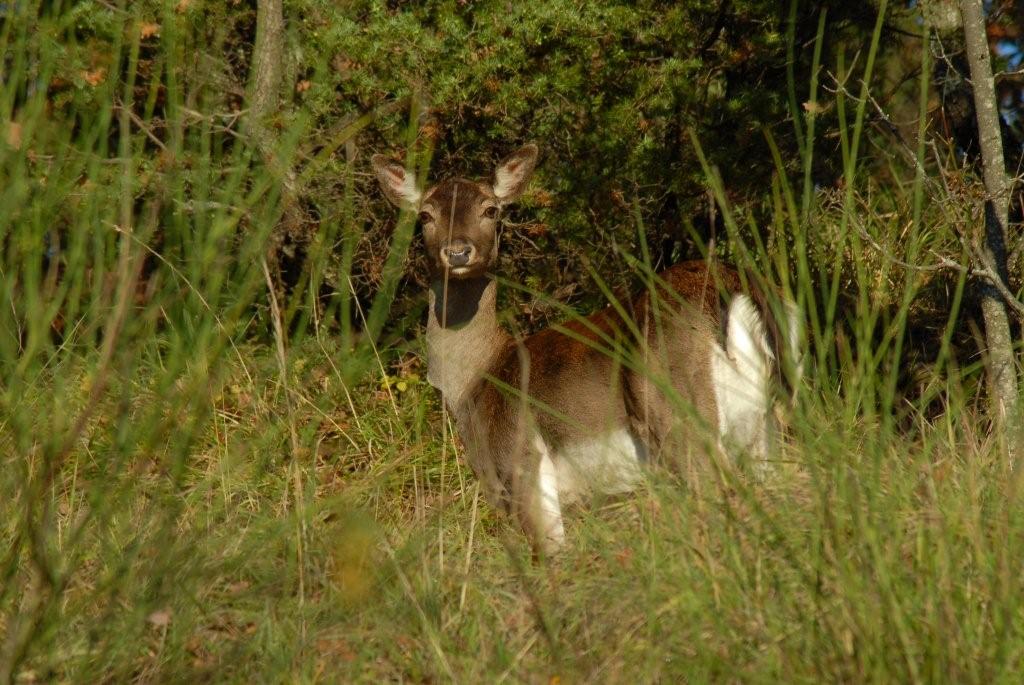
x=207 y=476
x=367 y=554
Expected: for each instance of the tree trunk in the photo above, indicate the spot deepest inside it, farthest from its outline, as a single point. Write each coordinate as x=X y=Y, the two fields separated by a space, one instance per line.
x=1002 y=368
x=265 y=72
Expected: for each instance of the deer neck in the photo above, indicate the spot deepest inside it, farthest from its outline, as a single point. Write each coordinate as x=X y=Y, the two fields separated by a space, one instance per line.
x=463 y=336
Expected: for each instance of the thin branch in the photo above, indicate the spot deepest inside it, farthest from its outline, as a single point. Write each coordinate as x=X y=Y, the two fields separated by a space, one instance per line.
x=141 y=125
x=1011 y=75
x=944 y=263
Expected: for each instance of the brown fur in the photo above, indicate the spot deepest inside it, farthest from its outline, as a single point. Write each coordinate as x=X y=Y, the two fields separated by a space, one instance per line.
x=649 y=373
x=578 y=383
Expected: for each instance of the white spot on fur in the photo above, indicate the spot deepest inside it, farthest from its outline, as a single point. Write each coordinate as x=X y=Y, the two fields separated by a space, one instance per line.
x=407 y=189
x=740 y=378
x=608 y=464
x=506 y=180
x=549 y=512
x=510 y=177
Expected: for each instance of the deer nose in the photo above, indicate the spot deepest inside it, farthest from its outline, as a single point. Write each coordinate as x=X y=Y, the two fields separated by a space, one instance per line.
x=457 y=254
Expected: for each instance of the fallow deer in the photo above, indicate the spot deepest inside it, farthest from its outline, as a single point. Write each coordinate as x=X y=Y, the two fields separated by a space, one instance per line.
x=578 y=408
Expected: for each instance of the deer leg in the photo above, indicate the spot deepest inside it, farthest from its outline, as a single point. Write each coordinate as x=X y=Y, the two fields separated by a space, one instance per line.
x=538 y=505
x=670 y=430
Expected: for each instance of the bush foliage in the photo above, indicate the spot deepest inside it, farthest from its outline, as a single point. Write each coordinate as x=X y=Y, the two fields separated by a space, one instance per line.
x=190 y=490
x=612 y=91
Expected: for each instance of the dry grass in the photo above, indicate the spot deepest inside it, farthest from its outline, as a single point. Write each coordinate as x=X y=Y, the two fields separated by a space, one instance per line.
x=863 y=557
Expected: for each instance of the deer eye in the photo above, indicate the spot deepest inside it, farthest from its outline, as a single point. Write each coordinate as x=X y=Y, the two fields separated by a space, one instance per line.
x=425 y=217
x=491 y=212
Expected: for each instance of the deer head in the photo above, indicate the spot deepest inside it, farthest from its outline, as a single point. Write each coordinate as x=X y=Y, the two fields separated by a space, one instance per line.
x=459 y=217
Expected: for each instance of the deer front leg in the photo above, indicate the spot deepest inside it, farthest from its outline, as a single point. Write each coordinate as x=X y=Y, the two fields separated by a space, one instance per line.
x=538 y=504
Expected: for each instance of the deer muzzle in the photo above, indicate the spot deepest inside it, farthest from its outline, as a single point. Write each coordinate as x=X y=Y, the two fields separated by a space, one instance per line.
x=457 y=254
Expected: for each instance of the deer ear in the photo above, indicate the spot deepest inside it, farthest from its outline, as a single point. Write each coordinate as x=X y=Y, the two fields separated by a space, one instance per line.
x=398 y=184
x=512 y=175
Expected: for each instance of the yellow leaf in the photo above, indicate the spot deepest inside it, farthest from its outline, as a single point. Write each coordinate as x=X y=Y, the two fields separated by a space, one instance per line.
x=95 y=77
x=13 y=136
x=160 y=618
x=812 y=107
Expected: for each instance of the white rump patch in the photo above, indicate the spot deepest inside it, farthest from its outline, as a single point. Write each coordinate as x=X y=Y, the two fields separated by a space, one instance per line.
x=740 y=374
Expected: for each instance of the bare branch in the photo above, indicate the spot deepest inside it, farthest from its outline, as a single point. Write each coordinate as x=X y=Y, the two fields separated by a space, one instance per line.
x=141 y=125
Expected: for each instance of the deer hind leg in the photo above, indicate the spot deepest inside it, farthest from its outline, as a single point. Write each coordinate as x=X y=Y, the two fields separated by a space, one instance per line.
x=650 y=420
x=538 y=503
x=671 y=426
x=740 y=373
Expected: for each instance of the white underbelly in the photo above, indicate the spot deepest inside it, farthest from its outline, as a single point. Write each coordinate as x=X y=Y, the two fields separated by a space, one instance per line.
x=607 y=464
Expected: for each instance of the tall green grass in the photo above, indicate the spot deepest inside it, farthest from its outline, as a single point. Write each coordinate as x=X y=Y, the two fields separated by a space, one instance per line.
x=206 y=478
